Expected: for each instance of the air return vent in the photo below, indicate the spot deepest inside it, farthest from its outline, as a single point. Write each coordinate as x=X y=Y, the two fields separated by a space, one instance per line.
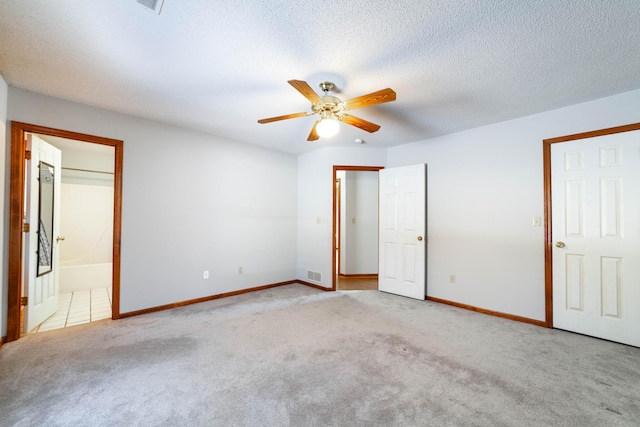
x=155 y=5
x=314 y=276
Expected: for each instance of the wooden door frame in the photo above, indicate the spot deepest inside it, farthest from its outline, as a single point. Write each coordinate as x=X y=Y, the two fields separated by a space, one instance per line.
x=333 y=211
x=548 y=243
x=16 y=209
x=337 y=212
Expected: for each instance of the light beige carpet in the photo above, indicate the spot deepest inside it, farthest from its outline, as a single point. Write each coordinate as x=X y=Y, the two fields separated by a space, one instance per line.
x=295 y=356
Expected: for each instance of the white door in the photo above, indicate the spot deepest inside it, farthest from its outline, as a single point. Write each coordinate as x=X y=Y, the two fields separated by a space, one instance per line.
x=41 y=246
x=596 y=236
x=402 y=247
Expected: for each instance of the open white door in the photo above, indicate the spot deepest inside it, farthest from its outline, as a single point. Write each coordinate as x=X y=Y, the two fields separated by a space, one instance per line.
x=41 y=244
x=596 y=236
x=402 y=246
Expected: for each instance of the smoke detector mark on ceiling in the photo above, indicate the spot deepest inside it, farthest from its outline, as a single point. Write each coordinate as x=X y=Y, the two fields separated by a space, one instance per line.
x=155 y=5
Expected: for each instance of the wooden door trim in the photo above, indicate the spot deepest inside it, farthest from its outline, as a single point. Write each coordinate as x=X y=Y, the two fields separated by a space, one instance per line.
x=333 y=211
x=548 y=243
x=337 y=214
x=16 y=208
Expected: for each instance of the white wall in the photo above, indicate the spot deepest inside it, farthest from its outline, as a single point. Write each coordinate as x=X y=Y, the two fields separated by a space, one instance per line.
x=361 y=223
x=4 y=205
x=191 y=202
x=484 y=187
x=76 y=158
x=315 y=199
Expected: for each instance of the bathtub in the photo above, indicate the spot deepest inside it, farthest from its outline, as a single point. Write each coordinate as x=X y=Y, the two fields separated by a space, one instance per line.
x=75 y=278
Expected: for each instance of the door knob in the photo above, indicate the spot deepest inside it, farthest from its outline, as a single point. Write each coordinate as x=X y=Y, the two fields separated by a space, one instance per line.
x=560 y=244
x=59 y=238
x=420 y=238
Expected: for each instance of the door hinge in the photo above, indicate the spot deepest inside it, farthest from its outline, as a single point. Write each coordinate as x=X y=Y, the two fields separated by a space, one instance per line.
x=26 y=227
x=27 y=154
x=24 y=301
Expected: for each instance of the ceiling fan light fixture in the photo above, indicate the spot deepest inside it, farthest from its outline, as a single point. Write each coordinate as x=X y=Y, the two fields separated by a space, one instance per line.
x=328 y=127
x=332 y=110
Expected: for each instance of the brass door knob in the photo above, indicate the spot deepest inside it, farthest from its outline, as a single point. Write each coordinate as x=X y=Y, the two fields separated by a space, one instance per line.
x=59 y=238
x=420 y=238
x=560 y=244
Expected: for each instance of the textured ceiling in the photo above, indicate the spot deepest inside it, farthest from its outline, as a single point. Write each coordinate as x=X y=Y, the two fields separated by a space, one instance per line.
x=219 y=66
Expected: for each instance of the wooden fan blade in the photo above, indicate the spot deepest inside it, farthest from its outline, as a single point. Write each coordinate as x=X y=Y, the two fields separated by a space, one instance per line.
x=285 y=117
x=313 y=135
x=359 y=123
x=379 y=97
x=304 y=88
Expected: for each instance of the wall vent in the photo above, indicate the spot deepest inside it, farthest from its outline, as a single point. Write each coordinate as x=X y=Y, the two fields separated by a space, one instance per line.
x=314 y=276
x=155 y=5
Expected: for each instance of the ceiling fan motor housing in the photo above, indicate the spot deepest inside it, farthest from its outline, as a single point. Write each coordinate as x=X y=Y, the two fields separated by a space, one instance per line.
x=329 y=104
x=326 y=87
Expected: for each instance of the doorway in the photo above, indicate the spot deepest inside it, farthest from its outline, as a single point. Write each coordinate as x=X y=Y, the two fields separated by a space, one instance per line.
x=358 y=277
x=84 y=235
x=19 y=160
x=592 y=270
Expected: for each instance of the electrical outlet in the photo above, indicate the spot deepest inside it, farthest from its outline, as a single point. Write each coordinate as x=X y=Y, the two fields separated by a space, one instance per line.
x=205 y=274
x=537 y=221
x=240 y=270
x=452 y=278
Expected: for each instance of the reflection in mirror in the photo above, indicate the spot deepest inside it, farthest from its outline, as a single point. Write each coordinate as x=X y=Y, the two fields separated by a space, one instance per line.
x=45 y=219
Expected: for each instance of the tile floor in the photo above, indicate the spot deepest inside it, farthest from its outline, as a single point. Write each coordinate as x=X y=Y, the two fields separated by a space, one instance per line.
x=76 y=308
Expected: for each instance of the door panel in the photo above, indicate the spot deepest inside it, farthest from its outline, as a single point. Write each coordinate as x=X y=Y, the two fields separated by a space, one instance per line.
x=575 y=282
x=402 y=231
x=596 y=234
x=41 y=289
x=611 y=287
x=389 y=261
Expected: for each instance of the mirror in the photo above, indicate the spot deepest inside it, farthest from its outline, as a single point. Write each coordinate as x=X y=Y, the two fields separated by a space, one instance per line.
x=45 y=219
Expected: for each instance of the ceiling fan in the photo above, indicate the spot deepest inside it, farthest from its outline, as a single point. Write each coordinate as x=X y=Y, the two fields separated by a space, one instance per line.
x=331 y=109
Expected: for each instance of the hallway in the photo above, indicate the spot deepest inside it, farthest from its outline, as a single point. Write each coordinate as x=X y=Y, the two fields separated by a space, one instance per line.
x=356 y=283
